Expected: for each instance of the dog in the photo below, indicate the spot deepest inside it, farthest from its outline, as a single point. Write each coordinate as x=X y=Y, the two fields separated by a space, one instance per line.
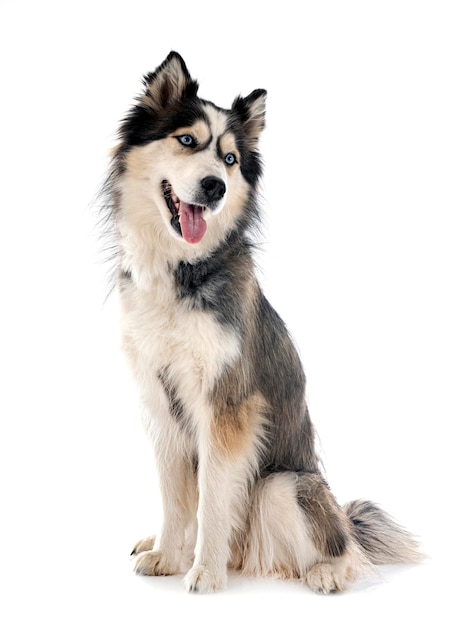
x=221 y=383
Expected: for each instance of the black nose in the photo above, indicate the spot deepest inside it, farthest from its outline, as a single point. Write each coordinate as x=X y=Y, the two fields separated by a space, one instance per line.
x=213 y=187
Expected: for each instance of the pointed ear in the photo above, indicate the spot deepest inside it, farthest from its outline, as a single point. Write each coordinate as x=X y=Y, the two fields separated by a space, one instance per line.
x=251 y=112
x=169 y=84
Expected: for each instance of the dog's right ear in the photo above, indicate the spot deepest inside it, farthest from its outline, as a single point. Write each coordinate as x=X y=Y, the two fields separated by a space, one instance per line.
x=169 y=84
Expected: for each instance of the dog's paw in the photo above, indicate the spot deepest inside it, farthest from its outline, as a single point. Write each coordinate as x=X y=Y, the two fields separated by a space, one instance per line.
x=145 y=545
x=201 y=579
x=154 y=564
x=326 y=578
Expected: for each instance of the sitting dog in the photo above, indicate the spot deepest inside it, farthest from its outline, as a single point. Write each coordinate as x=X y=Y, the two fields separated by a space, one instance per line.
x=221 y=383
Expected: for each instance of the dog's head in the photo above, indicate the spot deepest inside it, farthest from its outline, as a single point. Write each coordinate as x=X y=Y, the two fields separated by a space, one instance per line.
x=189 y=167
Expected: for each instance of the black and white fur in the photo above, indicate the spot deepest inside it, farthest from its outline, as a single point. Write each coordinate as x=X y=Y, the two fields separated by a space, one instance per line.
x=221 y=383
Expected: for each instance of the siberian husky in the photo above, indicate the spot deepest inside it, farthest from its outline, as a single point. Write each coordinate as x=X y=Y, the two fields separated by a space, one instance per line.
x=221 y=383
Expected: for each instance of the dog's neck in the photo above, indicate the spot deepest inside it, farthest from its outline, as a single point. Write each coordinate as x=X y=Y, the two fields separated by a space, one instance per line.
x=151 y=255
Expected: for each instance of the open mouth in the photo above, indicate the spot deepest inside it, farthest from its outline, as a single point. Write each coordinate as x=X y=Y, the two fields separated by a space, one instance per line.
x=187 y=219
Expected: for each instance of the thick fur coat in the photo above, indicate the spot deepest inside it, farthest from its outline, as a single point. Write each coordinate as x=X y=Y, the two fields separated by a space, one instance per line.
x=221 y=382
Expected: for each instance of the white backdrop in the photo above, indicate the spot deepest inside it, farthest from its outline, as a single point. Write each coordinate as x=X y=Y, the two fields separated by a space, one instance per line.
x=360 y=254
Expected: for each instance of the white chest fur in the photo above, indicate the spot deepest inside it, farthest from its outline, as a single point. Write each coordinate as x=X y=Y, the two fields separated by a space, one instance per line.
x=162 y=332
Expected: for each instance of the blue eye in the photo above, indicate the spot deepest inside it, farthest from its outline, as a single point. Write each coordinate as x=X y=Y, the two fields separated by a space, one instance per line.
x=186 y=140
x=230 y=159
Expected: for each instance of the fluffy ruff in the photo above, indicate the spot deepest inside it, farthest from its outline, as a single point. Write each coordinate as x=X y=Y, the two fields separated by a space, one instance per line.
x=221 y=383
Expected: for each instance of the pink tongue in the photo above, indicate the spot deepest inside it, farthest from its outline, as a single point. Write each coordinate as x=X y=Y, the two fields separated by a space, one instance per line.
x=193 y=226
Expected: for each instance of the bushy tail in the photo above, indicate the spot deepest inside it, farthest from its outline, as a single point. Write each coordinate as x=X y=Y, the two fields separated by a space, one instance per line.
x=381 y=538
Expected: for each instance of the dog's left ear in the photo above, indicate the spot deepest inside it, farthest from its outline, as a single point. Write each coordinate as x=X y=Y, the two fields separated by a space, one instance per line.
x=169 y=84
x=251 y=111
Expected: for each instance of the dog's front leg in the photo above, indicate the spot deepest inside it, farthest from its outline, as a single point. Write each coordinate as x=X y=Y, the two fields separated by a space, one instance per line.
x=227 y=460
x=226 y=448
x=217 y=482
x=162 y=555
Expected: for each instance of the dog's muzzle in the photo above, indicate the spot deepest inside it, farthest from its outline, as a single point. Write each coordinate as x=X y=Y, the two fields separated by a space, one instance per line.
x=187 y=218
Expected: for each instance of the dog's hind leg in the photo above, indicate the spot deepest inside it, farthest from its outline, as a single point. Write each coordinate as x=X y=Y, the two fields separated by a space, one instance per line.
x=339 y=559
x=276 y=540
x=297 y=530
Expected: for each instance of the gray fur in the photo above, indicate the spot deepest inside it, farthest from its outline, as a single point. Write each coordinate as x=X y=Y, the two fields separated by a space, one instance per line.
x=380 y=536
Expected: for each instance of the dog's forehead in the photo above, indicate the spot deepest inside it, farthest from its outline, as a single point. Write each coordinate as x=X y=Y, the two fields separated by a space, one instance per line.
x=217 y=120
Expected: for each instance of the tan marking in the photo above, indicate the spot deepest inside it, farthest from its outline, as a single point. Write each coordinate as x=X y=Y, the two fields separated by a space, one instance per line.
x=137 y=162
x=227 y=144
x=235 y=429
x=199 y=130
